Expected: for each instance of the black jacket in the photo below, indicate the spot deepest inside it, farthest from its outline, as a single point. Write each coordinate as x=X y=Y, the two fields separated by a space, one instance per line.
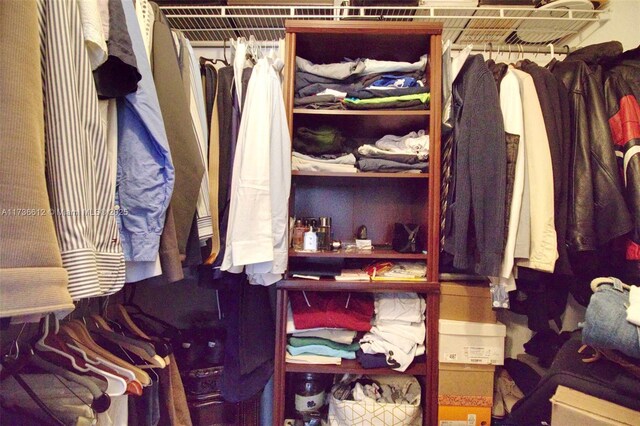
x=621 y=75
x=597 y=209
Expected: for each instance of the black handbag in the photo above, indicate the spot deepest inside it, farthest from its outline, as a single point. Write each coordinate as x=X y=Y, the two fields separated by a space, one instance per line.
x=407 y=238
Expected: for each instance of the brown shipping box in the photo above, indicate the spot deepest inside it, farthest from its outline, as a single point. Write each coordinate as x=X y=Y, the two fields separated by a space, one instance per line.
x=466 y=379
x=466 y=301
x=571 y=407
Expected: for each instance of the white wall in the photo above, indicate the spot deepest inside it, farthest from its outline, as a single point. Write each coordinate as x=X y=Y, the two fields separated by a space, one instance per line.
x=623 y=25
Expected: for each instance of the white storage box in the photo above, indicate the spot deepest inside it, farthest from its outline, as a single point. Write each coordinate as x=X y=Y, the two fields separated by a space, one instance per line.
x=372 y=413
x=471 y=342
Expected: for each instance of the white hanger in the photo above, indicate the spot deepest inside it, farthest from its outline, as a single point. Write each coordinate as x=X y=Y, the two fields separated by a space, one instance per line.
x=552 y=50
x=115 y=385
x=43 y=346
x=120 y=370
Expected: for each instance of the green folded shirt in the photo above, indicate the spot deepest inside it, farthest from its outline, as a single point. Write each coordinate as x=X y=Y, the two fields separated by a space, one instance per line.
x=306 y=341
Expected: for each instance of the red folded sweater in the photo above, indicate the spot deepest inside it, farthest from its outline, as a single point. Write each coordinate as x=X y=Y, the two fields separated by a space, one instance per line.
x=352 y=311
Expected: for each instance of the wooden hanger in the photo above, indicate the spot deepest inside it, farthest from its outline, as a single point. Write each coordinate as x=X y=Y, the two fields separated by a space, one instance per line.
x=51 y=342
x=78 y=332
x=120 y=314
x=132 y=385
x=51 y=345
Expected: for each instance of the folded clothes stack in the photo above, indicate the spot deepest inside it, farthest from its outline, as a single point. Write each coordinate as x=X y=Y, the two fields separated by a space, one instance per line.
x=344 y=163
x=397 y=271
x=361 y=84
x=395 y=154
x=322 y=326
x=326 y=149
x=398 y=332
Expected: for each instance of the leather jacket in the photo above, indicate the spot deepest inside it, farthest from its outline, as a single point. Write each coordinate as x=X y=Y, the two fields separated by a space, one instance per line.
x=622 y=95
x=597 y=211
x=620 y=75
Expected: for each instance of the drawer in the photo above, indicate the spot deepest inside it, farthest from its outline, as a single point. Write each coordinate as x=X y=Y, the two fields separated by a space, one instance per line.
x=213 y=412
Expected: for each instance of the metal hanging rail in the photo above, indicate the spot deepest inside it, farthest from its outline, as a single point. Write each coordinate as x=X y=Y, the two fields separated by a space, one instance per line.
x=528 y=27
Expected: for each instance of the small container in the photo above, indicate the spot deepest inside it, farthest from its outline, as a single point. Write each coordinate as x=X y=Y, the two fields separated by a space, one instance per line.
x=298 y=235
x=309 y=396
x=324 y=233
x=310 y=240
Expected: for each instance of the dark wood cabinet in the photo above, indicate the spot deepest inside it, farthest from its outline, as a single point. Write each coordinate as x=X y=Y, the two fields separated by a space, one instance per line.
x=377 y=200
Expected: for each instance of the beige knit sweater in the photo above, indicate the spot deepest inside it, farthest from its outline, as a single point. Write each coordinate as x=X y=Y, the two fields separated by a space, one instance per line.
x=32 y=279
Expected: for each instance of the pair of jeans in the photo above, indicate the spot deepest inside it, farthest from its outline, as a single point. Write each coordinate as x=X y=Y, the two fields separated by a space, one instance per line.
x=606 y=324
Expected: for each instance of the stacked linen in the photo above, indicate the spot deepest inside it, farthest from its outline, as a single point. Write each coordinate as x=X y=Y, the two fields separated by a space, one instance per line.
x=321 y=149
x=321 y=347
x=361 y=84
x=395 y=271
x=323 y=326
x=393 y=153
x=325 y=163
x=398 y=332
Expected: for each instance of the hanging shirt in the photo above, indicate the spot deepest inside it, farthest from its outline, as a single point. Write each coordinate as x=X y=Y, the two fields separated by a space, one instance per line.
x=145 y=170
x=511 y=106
x=77 y=166
x=544 y=247
x=258 y=216
x=193 y=87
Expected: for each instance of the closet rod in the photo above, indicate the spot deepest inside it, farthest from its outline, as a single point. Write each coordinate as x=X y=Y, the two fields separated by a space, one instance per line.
x=515 y=48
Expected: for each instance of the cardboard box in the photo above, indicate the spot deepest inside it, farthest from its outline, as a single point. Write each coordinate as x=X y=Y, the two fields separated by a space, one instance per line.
x=449 y=415
x=571 y=407
x=464 y=342
x=466 y=379
x=466 y=301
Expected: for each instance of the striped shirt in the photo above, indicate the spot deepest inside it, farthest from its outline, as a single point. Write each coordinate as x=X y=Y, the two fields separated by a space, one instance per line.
x=79 y=178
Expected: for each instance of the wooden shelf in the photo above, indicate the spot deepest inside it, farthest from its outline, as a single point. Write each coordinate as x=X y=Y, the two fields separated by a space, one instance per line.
x=361 y=175
x=359 y=254
x=369 y=112
x=377 y=200
x=352 y=366
x=297 y=284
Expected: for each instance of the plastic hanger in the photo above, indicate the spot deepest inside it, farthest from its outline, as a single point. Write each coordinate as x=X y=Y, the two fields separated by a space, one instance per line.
x=83 y=338
x=101 y=400
x=215 y=61
x=133 y=386
x=51 y=342
x=14 y=363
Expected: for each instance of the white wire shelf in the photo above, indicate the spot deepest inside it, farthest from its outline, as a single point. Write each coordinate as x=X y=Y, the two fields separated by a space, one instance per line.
x=526 y=27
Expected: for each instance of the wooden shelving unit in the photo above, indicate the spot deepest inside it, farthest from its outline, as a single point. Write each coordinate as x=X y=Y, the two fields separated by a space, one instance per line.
x=368 y=113
x=360 y=254
x=361 y=175
x=377 y=200
x=350 y=366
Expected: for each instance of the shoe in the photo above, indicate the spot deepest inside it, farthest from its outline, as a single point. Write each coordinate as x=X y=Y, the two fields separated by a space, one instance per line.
x=497 y=409
x=508 y=390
